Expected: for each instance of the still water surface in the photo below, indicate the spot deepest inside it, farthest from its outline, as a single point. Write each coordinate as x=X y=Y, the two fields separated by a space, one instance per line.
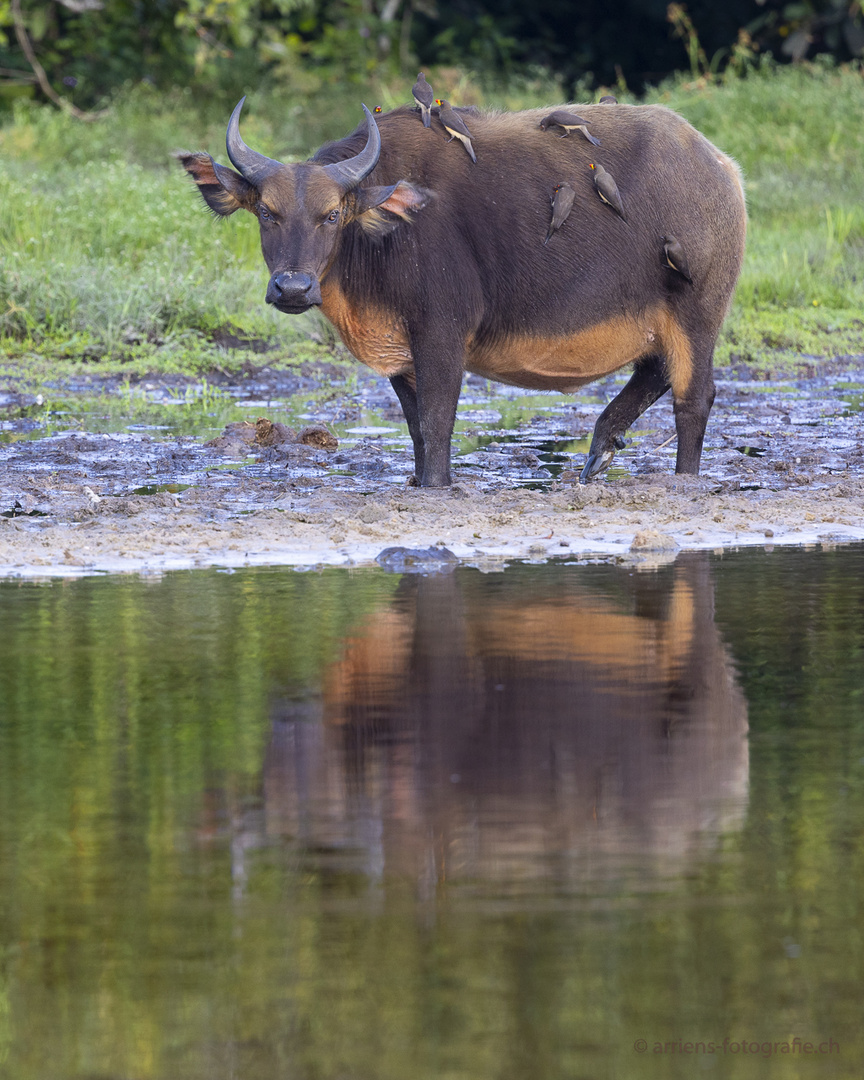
x=558 y=822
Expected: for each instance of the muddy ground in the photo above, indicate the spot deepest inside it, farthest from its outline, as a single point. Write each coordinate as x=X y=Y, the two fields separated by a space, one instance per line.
x=783 y=463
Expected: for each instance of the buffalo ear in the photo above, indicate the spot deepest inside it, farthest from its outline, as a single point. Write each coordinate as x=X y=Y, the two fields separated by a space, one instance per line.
x=224 y=190
x=400 y=199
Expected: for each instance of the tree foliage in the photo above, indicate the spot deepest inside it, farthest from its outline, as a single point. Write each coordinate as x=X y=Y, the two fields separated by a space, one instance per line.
x=88 y=48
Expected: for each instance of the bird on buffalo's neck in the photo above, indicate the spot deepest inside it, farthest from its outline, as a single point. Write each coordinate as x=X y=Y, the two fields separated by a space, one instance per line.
x=455 y=125
x=424 y=97
x=607 y=189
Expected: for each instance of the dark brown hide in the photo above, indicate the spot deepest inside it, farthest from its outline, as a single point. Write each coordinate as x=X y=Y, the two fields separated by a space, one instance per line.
x=447 y=271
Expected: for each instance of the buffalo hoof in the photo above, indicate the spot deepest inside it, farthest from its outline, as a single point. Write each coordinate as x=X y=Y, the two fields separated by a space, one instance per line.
x=597 y=463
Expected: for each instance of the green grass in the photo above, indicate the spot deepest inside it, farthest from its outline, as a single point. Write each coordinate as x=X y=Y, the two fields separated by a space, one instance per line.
x=795 y=131
x=108 y=257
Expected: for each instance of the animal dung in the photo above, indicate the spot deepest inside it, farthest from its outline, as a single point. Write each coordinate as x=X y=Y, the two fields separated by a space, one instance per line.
x=318 y=436
x=244 y=436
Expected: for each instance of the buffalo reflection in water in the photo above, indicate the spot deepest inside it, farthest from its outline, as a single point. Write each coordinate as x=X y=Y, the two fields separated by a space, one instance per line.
x=556 y=723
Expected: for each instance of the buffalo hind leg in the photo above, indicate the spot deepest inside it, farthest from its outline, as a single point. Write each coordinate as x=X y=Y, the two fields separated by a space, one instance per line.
x=407 y=395
x=692 y=407
x=648 y=382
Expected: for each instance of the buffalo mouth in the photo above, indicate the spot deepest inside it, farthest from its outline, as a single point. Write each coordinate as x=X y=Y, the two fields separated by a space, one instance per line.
x=294 y=308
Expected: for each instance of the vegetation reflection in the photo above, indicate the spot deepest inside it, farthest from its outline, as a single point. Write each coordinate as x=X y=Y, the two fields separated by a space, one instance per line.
x=273 y=824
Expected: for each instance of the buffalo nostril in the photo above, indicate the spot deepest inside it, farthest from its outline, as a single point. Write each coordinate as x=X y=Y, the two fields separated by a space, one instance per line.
x=274 y=291
x=293 y=289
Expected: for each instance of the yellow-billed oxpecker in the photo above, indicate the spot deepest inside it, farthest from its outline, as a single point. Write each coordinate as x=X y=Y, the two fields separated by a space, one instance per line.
x=562 y=204
x=607 y=189
x=455 y=125
x=569 y=121
x=674 y=257
x=424 y=97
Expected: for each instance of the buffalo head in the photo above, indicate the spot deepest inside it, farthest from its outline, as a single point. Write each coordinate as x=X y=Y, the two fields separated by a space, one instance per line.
x=301 y=208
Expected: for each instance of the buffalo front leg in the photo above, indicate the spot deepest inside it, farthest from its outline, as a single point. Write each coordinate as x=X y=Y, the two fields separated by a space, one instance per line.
x=407 y=395
x=438 y=366
x=647 y=383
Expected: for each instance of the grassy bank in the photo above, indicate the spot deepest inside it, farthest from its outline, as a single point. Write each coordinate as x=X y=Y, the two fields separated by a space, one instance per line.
x=108 y=258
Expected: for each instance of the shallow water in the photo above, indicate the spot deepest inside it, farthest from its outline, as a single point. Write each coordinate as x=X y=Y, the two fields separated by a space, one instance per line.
x=761 y=435
x=352 y=824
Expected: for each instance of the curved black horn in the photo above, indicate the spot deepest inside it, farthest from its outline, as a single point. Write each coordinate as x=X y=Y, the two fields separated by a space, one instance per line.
x=348 y=174
x=252 y=165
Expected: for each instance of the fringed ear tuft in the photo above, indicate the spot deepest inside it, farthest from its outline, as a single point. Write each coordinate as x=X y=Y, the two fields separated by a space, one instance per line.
x=400 y=200
x=224 y=190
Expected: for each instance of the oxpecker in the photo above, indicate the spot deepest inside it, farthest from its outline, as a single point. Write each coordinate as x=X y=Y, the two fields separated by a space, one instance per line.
x=424 y=97
x=570 y=121
x=607 y=189
x=456 y=126
x=562 y=204
x=674 y=256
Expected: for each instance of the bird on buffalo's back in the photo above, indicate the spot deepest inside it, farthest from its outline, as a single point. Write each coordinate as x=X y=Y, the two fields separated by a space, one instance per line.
x=424 y=97
x=607 y=189
x=455 y=125
x=674 y=256
x=608 y=99
x=570 y=121
x=562 y=204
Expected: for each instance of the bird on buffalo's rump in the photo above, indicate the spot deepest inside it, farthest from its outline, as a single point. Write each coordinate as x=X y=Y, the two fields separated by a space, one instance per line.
x=360 y=229
x=673 y=253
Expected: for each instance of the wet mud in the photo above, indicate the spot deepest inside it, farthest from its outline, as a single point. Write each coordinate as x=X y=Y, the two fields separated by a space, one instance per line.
x=318 y=474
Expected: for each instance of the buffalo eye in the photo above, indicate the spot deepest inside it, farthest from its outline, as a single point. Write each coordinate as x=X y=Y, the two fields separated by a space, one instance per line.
x=263 y=213
x=332 y=217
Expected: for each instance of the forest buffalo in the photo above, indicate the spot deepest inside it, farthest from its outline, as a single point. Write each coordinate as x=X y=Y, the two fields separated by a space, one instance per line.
x=429 y=265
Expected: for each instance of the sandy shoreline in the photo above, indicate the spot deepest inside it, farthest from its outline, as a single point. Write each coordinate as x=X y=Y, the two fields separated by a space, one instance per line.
x=164 y=532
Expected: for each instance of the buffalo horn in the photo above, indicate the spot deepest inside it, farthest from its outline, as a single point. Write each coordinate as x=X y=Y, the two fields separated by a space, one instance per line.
x=252 y=165
x=348 y=174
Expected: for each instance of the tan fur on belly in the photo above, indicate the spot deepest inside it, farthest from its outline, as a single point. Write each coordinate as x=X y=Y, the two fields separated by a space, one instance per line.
x=537 y=363
x=373 y=336
x=567 y=362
